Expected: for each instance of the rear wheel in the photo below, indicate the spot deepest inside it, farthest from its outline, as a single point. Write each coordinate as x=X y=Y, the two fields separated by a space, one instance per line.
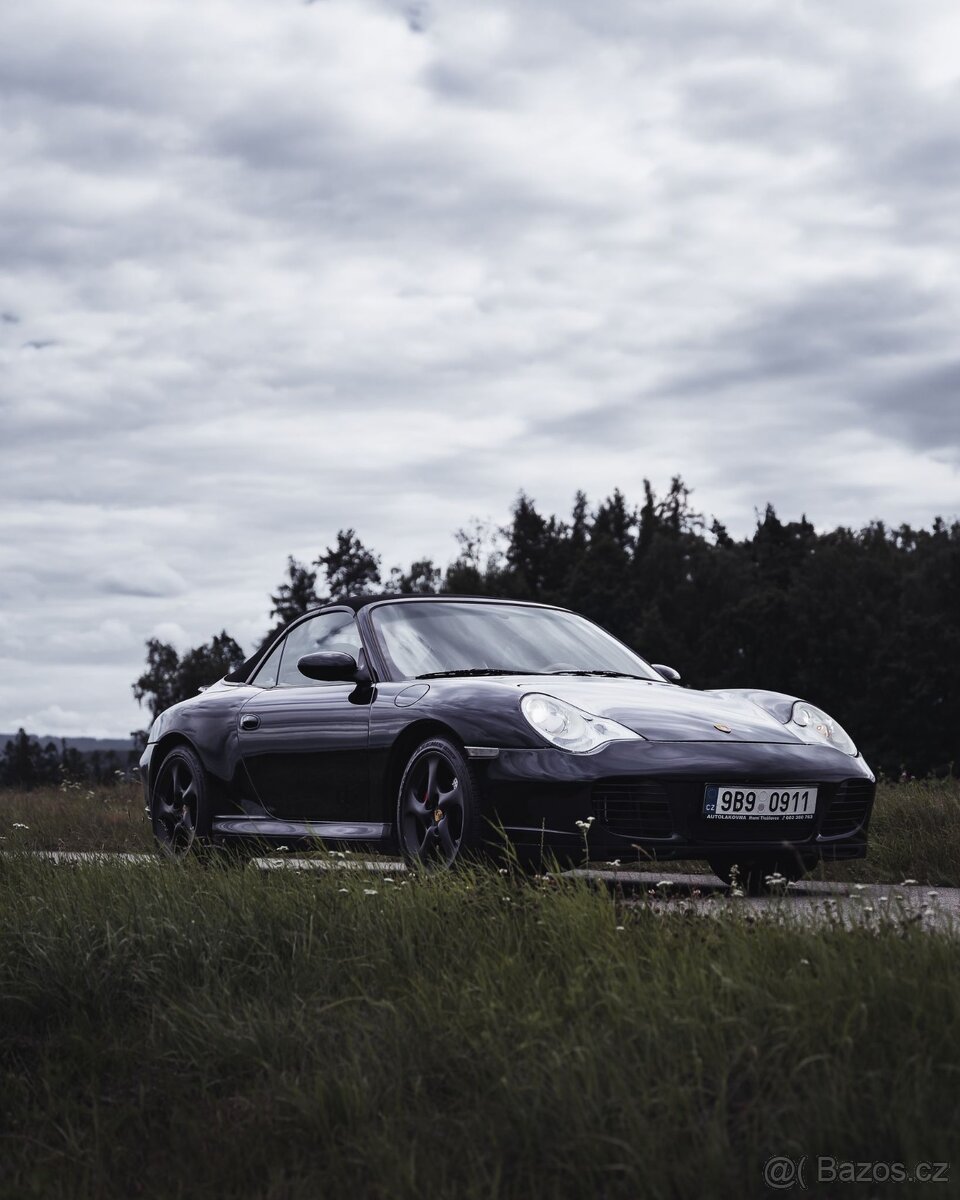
x=438 y=806
x=752 y=873
x=180 y=807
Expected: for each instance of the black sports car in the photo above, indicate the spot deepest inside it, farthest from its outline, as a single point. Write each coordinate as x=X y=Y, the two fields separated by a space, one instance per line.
x=439 y=725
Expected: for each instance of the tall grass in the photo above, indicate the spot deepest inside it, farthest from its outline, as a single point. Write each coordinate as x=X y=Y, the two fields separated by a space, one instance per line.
x=74 y=817
x=914 y=834
x=175 y=1031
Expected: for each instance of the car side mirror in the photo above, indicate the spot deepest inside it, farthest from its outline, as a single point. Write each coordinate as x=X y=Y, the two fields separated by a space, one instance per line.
x=669 y=674
x=329 y=665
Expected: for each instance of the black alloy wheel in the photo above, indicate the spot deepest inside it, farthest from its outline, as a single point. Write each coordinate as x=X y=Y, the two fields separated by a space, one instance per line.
x=178 y=805
x=438 y=811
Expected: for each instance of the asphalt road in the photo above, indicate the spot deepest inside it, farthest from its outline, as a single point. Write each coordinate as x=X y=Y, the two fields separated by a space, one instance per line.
x=808 y=901
x=811 y=901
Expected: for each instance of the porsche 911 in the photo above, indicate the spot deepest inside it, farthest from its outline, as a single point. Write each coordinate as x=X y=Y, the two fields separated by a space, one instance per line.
x=445 y=727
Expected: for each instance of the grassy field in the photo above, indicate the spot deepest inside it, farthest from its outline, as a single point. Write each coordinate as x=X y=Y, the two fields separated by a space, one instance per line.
x=75 y=818
x=915 y=832
x=170 y=1030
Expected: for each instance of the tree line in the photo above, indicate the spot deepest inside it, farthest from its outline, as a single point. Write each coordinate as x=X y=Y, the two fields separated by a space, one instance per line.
x=864 y=623
x=25 y=763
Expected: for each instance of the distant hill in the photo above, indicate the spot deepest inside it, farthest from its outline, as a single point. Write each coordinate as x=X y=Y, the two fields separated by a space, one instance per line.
x=85 y=745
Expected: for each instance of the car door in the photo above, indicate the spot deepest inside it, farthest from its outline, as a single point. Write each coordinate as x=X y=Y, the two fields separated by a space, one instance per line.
x=304 y=741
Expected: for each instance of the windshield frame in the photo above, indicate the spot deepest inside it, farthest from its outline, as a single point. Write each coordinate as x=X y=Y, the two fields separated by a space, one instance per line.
x=392 y=671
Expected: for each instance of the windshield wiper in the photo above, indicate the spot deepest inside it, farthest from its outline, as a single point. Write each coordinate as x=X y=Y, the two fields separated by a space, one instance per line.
x=609 y=674
x=475 y=671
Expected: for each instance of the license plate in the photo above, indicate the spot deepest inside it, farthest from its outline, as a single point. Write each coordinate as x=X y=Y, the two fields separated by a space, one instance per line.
x=742 y=802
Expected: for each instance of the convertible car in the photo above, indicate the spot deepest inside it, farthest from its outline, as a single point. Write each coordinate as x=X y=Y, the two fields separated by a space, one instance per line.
x=442 y=726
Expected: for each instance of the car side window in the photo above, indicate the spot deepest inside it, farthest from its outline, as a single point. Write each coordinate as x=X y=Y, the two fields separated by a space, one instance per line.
x=268 y=670
x=329 y=631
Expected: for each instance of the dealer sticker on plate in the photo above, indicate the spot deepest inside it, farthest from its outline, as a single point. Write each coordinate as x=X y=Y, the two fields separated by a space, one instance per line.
x=742 y=802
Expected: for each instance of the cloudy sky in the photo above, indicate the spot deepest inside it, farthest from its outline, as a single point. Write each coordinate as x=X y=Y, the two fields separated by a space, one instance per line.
x=269 y=269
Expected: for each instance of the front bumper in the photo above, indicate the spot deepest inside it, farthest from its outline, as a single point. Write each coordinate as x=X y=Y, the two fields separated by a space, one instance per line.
x=647 y=799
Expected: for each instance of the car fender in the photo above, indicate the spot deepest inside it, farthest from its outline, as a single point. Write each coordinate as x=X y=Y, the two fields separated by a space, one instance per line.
x=208 y=723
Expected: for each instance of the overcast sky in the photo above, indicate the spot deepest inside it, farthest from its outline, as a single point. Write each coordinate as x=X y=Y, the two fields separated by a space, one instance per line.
x=269 y=269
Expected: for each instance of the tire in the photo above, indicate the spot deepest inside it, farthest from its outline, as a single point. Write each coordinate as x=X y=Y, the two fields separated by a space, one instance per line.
x=752 y=873
x=181 y=811
x=438 y=806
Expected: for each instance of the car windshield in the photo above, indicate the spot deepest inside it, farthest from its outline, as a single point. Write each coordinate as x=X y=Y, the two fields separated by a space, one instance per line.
x=424 y=638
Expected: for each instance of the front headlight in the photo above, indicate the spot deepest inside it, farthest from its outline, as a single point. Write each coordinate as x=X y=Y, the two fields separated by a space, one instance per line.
x=569 y=727
x=813 y=725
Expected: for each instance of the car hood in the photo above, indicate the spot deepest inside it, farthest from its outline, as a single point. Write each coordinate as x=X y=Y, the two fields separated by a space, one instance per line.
x=663 y=712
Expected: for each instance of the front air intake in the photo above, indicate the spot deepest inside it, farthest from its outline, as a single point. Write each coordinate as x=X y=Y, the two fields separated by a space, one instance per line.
x=849 y=809
x=633 y=807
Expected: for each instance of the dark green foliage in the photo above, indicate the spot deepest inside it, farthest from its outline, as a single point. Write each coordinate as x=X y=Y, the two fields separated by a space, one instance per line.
x=478 y=568
x=27 y=765
x=423 y=579
x=23 y=762
x=295 y=596
x=169 y=678
x=351 y=569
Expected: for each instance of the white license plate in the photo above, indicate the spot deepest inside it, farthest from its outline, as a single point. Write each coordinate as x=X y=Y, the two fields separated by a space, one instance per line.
x=743 y=802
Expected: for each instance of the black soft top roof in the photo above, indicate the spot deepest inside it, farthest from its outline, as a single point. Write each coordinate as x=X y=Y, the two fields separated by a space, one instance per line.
x=358 y=602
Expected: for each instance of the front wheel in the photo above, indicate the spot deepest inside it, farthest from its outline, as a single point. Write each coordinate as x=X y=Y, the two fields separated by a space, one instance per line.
x=438 y=806
x=179 y=804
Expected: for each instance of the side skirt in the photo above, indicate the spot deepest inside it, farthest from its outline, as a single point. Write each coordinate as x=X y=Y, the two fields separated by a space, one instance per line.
x=239 y=825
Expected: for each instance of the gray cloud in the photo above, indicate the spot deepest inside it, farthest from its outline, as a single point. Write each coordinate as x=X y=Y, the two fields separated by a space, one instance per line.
x=285 y=268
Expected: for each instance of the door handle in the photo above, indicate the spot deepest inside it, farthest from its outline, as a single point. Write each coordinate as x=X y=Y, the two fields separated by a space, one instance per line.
x=250 y=721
